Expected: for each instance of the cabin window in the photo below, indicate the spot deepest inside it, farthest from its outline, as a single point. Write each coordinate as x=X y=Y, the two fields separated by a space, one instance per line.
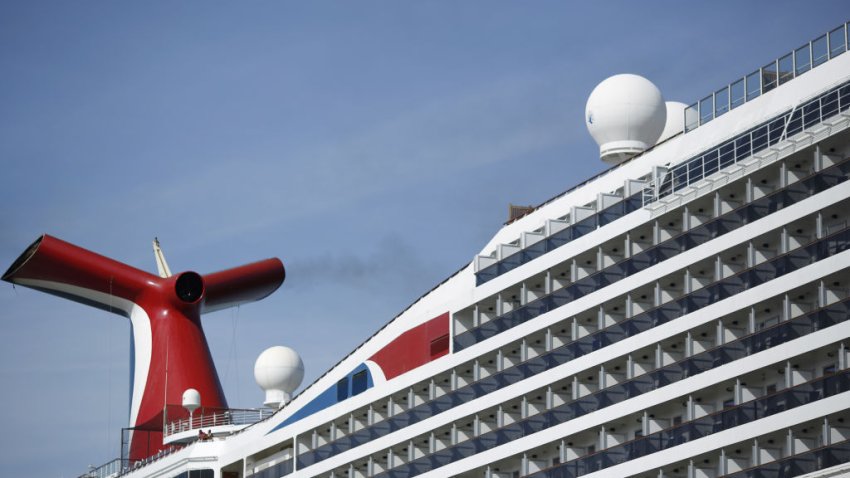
x=342 y=389
x=358 y=383
x=196 y=474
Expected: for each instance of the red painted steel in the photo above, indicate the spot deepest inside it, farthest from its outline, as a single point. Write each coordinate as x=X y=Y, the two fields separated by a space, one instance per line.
x=412 y=348
x=176 y=333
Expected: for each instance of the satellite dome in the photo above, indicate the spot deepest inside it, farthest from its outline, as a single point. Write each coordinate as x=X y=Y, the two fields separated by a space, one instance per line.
x=675 y=124
x=278 y=371
x=191 y=400
x=625 y=114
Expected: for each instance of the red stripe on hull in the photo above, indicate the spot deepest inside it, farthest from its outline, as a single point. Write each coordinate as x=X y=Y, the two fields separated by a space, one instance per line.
x=415 y=347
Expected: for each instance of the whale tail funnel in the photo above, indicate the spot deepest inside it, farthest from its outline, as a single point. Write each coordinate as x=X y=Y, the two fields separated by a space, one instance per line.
x=164 y=314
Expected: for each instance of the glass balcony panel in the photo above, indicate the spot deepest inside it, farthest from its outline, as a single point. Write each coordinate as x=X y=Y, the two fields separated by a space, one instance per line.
x=721 y=101
x=820 y=54
x=776 y=128
x=534 y=251
x=706 y=110
x=769 y=76
x=802 y=59
x=510 y=262
x=691 y=117
x=759 y=136
x=583 y=227
x=753 y=81
x=726 y=155
x=795 y=124
x=786 y=68
x=737 y=93
x=742 y=148
x=837 y=44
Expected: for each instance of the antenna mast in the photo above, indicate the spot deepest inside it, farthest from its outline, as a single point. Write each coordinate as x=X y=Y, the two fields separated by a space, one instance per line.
x=161 y=265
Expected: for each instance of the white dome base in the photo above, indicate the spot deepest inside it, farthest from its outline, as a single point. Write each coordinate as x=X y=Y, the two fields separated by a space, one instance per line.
x=276 y=398
x=615 y=152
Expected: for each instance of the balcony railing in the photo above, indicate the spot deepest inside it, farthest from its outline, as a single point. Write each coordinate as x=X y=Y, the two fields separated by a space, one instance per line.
x=757 y=139
x=779 y=71
x=177 y=420
x=761 y=340
x=801 y=463
x=687 y=240
x=744 y=413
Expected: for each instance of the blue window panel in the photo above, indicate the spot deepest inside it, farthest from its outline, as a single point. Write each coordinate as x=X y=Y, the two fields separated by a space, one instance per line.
x=342 y=389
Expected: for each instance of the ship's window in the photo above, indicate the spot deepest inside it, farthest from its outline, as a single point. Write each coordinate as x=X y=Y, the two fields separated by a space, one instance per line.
x=196 y=474
x=342 y=389
x=358 y=383
x=440 y=345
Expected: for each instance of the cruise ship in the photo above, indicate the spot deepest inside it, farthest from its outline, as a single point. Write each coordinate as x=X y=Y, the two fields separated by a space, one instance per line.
x=684 y=314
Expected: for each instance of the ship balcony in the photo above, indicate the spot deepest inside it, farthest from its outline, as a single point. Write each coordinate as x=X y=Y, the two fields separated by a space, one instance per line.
x=181 y=427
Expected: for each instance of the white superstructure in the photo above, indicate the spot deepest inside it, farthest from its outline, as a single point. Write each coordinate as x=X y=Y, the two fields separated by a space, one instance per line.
x=685 y=314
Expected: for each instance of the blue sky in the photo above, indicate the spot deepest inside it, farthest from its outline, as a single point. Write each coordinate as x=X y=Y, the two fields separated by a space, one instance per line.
x=373 y=146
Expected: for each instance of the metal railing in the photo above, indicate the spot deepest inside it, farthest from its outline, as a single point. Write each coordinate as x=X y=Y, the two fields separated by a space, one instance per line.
x=176 y=420
x=804 y=116
x=108 y=470
x=779 y=71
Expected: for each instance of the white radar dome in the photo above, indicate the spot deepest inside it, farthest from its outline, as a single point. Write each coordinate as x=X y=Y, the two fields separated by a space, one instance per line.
x=675 y=119
x=625 y=114
x=278 y=371
x=191 y=400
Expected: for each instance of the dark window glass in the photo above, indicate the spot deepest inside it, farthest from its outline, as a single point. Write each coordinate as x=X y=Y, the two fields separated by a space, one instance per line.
x=196 y=474
x=439 y=346
x=342 y=389
x=358 y=383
